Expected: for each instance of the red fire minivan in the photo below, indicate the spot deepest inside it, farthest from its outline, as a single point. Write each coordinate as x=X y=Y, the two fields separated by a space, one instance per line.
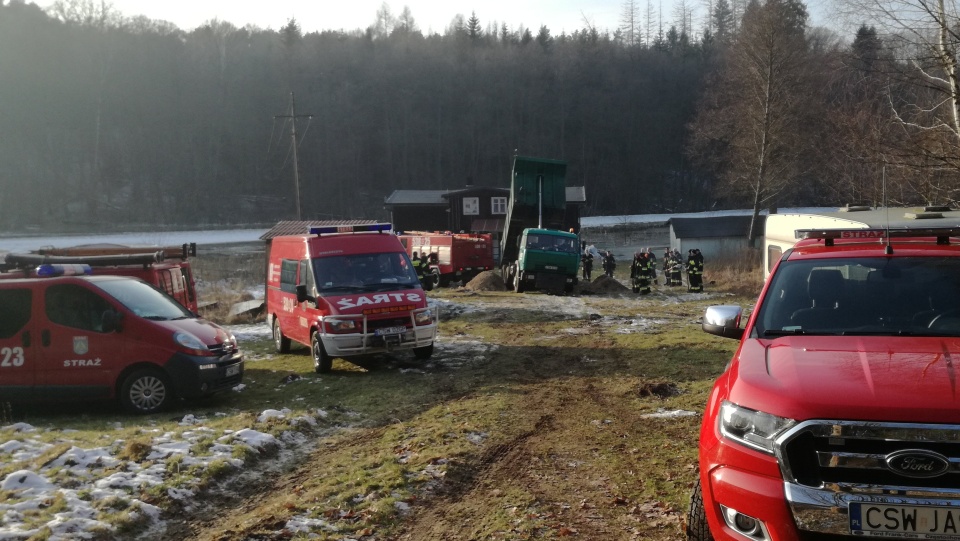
x=67 y=335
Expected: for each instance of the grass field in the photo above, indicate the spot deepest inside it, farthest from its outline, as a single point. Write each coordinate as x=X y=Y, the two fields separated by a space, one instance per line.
x=538 y=417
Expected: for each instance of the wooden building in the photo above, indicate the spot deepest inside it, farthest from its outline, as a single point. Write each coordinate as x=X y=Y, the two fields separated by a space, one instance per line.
x=473 y=209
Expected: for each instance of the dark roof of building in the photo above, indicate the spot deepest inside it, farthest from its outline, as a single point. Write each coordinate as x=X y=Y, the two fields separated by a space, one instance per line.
x=294 y=227
x=574 y=194
x=417 y=197
x=715 y=226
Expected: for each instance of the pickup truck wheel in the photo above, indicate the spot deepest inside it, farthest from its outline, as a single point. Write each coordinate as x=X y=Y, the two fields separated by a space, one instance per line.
x=145 y=391
x=697 y=527
x=280 y=342
x=322 y=361
x=423 y=353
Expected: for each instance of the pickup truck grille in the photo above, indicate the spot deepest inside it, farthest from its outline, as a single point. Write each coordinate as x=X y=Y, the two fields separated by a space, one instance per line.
x=818 y=453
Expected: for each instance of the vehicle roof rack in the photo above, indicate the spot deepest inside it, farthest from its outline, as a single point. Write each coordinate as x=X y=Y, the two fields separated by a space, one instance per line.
x=942 y=234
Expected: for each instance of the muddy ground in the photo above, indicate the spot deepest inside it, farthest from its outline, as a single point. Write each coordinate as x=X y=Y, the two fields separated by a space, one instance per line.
x=592 y=435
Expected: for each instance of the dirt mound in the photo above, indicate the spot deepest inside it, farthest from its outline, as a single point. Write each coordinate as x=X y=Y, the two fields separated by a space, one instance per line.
x=603 y=285
x=486 y=281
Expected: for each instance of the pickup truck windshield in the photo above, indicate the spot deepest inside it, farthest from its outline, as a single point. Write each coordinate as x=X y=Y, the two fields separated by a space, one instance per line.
x=339 y=275
x=895 y=296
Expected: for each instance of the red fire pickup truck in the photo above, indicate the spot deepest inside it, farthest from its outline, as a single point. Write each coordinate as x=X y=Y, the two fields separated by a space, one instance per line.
x=839 y=415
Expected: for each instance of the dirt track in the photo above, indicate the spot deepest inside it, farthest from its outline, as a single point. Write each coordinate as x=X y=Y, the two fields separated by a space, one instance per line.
x=569 y=450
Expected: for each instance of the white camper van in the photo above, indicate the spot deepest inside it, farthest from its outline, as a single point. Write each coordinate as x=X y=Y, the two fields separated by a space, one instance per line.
x=780 y=229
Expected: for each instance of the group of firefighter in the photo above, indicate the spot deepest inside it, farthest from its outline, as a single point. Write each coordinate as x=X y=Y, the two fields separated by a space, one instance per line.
x=421 y=264
x=643 y=269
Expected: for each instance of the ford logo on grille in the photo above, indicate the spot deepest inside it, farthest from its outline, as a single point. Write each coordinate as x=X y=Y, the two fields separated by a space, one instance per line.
x=917 y=463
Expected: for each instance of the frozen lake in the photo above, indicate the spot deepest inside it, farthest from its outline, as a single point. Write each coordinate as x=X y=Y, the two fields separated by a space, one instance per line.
x=152 y=239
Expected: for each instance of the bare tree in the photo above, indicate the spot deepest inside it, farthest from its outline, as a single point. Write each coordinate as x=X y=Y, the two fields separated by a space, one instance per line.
x=384 y=22
x=406 y=24
x=683 y=17
x=630 y=22
x=90 y=13
x=751 y=119
x=924 y=35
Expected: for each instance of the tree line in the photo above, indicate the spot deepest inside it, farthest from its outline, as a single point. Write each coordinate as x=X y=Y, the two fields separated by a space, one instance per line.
x=112 y=120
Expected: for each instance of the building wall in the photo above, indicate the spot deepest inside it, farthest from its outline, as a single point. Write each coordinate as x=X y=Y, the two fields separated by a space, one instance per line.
x=420 y=218
x=712 y=248
x=483 y=199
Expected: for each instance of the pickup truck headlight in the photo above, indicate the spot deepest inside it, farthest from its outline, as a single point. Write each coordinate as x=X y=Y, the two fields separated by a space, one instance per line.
x=755 y=429
x=423 y=318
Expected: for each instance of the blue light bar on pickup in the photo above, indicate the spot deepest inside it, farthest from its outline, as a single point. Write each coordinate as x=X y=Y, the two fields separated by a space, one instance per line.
x=48 y=270
x=356 y=228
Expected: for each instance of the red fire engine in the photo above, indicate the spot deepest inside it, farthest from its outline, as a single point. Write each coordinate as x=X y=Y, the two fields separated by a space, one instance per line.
x=452 y=257
x=165 y=267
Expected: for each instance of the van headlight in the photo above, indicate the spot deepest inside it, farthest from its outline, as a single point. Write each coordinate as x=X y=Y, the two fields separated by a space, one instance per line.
x=755 y=429
x=423 y=318
x=191 y=342
x=341 y=325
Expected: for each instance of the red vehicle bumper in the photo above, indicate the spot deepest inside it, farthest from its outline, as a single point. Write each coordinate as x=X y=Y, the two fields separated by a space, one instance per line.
x=757 y=495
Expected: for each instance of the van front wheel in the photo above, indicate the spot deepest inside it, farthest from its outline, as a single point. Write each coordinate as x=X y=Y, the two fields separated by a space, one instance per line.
x=322 y=361
x=146 y=391
x=280 y=342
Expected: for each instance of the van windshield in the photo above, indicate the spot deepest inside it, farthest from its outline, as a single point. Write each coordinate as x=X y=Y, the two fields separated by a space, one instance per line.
x=144 y=300
x=895 y=296
x=365 y=272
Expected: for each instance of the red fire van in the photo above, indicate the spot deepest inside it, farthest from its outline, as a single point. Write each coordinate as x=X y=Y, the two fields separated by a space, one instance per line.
x=344 y=291
x=65 y=334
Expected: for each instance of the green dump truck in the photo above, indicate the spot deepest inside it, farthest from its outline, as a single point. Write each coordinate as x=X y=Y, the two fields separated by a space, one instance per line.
x=534 y=252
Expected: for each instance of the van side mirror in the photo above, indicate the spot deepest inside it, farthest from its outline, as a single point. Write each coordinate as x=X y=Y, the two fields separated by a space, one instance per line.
x=301 y=292
x=723 y=321
x=110 y=321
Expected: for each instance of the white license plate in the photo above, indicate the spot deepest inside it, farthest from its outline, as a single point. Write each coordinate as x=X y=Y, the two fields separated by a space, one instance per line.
x=904 y=521
x=233 y=370
x=389 y=330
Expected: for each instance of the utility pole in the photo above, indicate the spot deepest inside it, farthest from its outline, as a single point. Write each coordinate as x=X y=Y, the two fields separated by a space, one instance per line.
x=293 y=141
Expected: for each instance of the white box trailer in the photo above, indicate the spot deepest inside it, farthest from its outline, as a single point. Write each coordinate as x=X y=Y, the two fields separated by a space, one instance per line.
x=780 y=229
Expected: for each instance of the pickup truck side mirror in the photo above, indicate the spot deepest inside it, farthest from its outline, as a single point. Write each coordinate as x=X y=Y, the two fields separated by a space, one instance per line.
x=301 y=292
x=110 y=321
x=723 y=321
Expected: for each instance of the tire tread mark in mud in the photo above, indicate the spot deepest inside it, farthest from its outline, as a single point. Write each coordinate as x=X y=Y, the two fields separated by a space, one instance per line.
x=239 y=500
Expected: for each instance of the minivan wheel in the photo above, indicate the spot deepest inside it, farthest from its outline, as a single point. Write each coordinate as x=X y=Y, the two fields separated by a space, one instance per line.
x=423 y=353
x=146 y=391
x=697 y=527
x=322 y=361
x=280 y=342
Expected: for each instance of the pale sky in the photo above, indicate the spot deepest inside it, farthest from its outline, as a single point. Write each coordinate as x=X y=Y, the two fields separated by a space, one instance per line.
x=430 y=15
